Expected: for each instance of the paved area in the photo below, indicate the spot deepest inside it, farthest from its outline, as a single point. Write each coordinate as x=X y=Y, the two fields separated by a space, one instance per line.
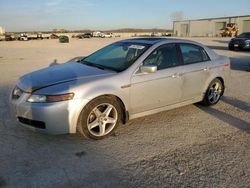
x=192 y=146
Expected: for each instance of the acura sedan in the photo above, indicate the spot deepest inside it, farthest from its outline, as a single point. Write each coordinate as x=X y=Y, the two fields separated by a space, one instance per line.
x=122 y=81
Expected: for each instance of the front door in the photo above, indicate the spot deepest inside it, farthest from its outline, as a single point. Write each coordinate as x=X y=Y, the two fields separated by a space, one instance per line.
x=155 y=90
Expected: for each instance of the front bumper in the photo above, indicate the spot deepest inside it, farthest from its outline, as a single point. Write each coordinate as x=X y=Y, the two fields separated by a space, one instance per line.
x=241 y=45
x=52 y=118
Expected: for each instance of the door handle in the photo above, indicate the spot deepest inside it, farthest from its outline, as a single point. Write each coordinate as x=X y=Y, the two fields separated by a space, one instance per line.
x=206 y=69
x=176 y=75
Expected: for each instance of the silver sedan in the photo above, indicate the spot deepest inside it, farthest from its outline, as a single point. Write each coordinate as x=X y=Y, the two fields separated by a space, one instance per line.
x=122 y=81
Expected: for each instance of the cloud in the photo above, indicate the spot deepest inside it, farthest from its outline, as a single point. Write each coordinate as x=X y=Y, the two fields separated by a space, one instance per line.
x=84 y=3
x=63 y=6
x=54 y=3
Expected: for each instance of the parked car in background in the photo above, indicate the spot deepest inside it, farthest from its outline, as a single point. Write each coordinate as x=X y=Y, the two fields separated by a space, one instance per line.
x=43 y=36
x=97 y=34
x=106 y=35
x=124 y=80
x=84 y=35
x=10 y=37
x=22 y=37
x=87 y=35
x=32 y=36
x=242 y=42
x=156 y=34
x=167 y=34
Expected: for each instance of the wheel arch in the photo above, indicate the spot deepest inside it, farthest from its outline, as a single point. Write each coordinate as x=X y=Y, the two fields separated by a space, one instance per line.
x=223 y=83
x=209 y=82
x=222 y=80
x=125 y=114
x=211 y=79
x=204 y=100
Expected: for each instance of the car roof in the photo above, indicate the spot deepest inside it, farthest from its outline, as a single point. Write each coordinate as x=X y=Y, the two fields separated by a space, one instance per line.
x=161 y=40
x=155 y=40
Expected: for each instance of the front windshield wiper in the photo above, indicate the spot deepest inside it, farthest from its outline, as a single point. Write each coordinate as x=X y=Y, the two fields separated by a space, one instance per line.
x=97 y=65
x=92 y=64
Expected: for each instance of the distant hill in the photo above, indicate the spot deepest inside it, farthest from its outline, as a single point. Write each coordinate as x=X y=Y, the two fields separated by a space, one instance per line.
x=133 y=30
x=127 y=30
x=122 y=30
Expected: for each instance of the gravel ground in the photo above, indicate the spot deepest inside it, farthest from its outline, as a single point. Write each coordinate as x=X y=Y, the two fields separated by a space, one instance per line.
x=192 y=146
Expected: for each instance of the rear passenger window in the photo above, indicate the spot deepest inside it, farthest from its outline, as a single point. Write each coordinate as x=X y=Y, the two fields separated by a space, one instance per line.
x=193 y=54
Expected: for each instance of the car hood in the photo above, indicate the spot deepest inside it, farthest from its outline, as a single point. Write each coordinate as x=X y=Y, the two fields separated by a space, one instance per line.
x=58 y=74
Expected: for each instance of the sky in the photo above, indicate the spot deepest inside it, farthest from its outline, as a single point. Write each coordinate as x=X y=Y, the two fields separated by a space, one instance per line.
x=45 y=15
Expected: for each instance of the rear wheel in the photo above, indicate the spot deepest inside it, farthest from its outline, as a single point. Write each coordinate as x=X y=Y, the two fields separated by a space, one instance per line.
x=100 y=117
x=214 y=92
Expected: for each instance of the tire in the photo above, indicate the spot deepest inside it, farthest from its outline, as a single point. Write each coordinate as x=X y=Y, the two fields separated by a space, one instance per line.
x=214 y=92
x=230 y=47
x=100 y=117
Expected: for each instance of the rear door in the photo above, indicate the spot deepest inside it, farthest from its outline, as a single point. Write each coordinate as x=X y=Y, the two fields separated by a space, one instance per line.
x=195 y=70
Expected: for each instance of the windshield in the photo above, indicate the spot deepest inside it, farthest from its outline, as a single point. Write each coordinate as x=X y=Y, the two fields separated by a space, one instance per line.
x=117 y=56
x=244 y=35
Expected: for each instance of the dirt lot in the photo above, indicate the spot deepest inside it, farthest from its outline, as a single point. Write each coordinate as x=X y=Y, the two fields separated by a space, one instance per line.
x=192 y=146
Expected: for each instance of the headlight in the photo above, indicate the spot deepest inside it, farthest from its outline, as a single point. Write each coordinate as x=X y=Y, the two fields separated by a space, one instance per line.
x=247 y=42
x=50 y=98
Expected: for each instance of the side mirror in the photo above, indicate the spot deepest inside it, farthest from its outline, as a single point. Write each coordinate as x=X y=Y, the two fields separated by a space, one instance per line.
x=148 y=68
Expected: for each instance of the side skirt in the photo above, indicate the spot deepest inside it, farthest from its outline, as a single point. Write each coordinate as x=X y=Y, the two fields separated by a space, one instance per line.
x=164 y=108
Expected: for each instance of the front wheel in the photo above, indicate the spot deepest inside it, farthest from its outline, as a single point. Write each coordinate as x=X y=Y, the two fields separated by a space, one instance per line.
x=214 y=92
x=99 y=118
x=231 y=47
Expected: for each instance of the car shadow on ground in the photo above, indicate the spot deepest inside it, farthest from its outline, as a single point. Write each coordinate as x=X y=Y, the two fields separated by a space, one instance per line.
x=236 y=103
x=228 y=118
x=241 y=63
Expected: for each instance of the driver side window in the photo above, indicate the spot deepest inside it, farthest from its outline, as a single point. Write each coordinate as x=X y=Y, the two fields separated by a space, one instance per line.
x=163 y=57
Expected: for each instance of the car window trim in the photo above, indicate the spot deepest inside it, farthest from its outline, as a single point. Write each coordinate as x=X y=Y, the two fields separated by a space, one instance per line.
x=181 y=55
x=161 y=46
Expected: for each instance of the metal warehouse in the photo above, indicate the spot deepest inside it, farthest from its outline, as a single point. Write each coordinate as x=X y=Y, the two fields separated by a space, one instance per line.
x=210 y=27
x=2 y=31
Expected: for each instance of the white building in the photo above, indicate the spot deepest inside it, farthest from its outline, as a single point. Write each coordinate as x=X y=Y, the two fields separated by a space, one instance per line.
x=2 y=31
x=210 y=26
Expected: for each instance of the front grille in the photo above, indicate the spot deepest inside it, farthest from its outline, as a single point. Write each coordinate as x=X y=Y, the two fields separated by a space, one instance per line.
x=33 y=123
x=240 y=42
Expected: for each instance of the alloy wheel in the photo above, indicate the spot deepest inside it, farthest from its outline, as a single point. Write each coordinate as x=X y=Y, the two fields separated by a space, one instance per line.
x=102 y=119
x=214 y=92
